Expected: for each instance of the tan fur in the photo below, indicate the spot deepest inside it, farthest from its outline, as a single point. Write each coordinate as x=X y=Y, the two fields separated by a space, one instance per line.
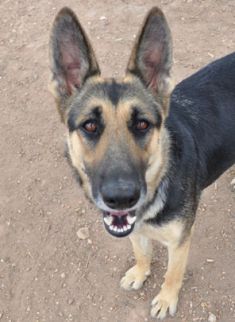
x=52 y=87
x=116 y=133
x=75 y=150
x=171 y=236
x=135 y=276
x=167 y=234
x=167 y=298
x=158 y=160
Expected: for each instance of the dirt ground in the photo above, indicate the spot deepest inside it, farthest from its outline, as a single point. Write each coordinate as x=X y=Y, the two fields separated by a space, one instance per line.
x=46 y=272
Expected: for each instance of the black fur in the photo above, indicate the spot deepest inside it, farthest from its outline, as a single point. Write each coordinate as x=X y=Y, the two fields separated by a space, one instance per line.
x=201 y=124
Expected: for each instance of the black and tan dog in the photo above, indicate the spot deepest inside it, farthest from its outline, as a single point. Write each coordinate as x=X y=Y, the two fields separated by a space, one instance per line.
x=144 y=165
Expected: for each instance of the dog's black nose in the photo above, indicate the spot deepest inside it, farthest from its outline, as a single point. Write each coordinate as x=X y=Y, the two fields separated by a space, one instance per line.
x=120 y=195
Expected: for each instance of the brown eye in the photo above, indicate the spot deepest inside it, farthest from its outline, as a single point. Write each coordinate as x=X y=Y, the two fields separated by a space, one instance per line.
x=142 y=125
x=90 y=126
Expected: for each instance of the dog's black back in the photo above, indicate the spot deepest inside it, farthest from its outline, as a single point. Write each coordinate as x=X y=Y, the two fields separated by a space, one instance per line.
x=201 y=125
x=202 y=119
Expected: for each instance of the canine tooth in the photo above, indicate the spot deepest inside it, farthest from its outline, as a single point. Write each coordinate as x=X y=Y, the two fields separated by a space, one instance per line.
x=130 y=219
x=108 y=220
x=111 y=227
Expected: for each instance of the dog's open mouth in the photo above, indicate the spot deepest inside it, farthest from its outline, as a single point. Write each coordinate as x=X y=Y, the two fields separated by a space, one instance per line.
x=119 y=224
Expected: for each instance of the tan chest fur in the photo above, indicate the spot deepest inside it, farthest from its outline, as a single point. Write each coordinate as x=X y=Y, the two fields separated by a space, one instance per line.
x=168 y=234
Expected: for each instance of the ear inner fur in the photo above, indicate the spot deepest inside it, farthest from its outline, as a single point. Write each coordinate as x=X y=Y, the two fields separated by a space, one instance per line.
x=71 y=55
x=151 y=57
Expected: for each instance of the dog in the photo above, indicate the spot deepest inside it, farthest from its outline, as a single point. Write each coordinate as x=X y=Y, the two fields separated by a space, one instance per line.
x=142 y=153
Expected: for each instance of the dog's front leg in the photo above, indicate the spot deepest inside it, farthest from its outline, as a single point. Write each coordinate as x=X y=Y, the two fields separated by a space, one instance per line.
x=167 y=299
x=135 y=277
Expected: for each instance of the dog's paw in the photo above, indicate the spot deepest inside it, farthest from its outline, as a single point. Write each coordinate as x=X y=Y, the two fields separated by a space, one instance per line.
x=134 y=278
x=165 y=301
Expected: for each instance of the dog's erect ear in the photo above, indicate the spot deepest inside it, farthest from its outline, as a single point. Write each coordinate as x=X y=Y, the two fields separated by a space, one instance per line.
x=151 y=57
x=71 y=56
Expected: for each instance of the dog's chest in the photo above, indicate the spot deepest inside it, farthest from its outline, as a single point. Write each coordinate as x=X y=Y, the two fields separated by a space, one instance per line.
x=167 y=234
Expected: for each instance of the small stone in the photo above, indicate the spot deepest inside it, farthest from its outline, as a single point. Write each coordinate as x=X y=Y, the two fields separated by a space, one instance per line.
x=212 y=317
x=71 y=301
x=210 y=260
x=211 y=55
x=233 y=185
x=83 y=233
x=62 y=275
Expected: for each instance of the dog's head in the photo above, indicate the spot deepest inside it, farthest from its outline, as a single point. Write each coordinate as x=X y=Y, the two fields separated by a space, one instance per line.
x=116 y=137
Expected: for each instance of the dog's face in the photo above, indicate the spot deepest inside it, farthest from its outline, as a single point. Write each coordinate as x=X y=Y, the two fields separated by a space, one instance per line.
x=115 y=128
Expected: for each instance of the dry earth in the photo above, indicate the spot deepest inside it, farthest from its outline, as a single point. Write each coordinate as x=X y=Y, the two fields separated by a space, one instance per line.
x=46 y=272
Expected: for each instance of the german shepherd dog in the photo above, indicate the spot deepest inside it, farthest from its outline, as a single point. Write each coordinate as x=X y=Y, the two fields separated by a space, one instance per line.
x=143 y=164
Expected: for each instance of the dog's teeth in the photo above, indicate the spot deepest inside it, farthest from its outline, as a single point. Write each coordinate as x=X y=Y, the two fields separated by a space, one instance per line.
x=108 y=220
x=111 y=227
x=128 y=227
x=130 y=219
x=115 y=228
x=125 y=228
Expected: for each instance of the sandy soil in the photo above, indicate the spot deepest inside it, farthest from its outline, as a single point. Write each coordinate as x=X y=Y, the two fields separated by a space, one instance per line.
x=46 y=272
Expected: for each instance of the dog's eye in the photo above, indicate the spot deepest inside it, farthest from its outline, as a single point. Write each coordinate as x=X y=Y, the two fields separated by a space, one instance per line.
x=142 y=125
x=90 y=126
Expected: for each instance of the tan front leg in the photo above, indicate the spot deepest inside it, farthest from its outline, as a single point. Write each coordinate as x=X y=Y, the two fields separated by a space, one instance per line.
x=167 y=299
x=135 y=277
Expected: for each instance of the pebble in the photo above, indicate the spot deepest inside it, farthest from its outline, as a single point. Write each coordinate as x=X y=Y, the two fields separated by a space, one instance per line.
x=212 y=317
x=211 y=55
x=71 y=301
x=233 y=185
x=83 y=233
